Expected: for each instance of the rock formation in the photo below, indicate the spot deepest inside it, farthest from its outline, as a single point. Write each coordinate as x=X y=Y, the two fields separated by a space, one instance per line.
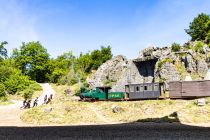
x=153 y=65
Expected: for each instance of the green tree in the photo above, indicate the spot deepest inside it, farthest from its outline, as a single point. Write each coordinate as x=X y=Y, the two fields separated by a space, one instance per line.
x=208 y=34
x=32 y=59
x=106 y=53
x=198 y=29
x=3 y=50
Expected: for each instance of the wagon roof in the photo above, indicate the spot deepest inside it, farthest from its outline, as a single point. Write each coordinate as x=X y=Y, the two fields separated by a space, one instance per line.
x=188 y=81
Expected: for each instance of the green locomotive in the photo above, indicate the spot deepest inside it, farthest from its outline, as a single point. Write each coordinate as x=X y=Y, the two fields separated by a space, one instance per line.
x=102 y=93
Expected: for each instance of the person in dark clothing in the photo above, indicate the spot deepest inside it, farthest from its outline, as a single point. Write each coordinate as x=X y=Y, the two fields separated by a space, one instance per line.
x=49 y=99
x=45 y=99
x=51 y=96
x=28 y=104
x=35 y=102
x=24 y=104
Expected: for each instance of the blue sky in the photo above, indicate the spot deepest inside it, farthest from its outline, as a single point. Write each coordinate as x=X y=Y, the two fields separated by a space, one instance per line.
x=84 y=25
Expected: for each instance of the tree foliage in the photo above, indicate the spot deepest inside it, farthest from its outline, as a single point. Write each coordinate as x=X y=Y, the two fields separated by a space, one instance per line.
x=69 y=69
x=199 y=27
x=12 y=80
x=3 y=50
x=32 y=59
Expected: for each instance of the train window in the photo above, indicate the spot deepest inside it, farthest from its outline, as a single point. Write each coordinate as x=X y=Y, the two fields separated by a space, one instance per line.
x=137 y=89
x=126 y=89
x=145 y=88
x=156 y=88
x=141 y=88
x=132 y=88
x=149 y=88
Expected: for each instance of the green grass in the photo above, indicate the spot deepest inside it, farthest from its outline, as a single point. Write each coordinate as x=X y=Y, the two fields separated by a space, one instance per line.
x=64 y=111
x=5 y=102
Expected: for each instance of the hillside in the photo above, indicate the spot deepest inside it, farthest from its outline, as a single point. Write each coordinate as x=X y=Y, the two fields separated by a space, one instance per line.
x=154 y=64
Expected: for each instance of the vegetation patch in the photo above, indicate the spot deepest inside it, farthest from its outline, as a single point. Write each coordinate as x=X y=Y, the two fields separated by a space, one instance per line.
x=181 y=69
x=163 y=61
x=175 y=47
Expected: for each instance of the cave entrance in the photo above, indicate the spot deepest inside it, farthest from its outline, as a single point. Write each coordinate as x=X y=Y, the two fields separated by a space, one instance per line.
x=146 y=69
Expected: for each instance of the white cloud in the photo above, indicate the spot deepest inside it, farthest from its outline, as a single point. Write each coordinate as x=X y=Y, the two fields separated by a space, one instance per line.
x=15 y=26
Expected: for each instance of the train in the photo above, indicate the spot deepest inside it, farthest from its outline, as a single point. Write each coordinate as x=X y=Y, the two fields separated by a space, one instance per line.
x=177 y=89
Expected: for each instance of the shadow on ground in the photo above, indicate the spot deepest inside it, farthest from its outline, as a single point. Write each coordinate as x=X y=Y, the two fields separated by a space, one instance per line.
x=161 y=128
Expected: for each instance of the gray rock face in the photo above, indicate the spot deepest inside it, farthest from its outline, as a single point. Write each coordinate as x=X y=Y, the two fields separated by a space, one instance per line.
x=168 y=73
x=189 y=63
x=153 y=65
x=110 y=71
x=202 y=68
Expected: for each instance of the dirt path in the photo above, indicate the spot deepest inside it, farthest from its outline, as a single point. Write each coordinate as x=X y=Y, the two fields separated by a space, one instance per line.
x=10 y=114
x=102 y=118
x=47 y=90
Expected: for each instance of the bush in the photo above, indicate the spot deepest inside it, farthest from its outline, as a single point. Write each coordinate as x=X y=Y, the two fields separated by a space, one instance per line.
x=163 y=61
x=2 y=90
x=27 y=94
x=198 y=46
x=175 y=47
x=208 y=39
x=35 y=86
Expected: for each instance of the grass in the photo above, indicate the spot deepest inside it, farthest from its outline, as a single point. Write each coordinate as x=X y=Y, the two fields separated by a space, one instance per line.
x=64 y=111
x=141 y=110
x=5 y=102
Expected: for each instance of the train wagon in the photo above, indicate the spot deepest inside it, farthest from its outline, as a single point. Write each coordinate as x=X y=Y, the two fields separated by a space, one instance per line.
x=189 y=89
x=143 y=91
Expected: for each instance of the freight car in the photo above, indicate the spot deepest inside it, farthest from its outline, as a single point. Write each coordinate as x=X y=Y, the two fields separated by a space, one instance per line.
x=177 y=89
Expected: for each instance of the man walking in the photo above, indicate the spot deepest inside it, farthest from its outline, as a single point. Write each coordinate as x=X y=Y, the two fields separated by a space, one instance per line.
x=35 y=102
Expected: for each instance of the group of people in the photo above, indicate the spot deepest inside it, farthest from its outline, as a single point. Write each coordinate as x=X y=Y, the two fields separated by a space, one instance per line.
x=27 y=104
x=47 y=100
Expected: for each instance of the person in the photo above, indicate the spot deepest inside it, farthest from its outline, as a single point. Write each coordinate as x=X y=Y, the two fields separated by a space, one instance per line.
x=49 y=99
x=35 y=102
x=28 y=104
x=51 y=96
x=45 y=99
x=24 y=104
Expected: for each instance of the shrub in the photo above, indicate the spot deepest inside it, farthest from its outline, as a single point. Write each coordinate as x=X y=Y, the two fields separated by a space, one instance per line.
x=175 y=47
x=198 y=46
x=163 y=61
x=35 y=86
x=27 y=93
x=208 y=39
x=107 y=83
x=2 y=90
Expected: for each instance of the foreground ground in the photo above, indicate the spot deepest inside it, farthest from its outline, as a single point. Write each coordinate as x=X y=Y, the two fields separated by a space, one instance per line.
x=67 y=110
x=132 y=131
x=189 y=120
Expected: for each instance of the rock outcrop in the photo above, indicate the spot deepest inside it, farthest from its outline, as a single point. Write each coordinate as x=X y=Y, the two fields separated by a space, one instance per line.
x=153 y=65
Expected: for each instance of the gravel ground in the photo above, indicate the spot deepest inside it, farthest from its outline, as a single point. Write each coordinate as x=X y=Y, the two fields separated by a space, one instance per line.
x=132 y=131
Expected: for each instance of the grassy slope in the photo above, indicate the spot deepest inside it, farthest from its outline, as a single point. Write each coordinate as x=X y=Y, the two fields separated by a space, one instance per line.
x=159 y=111
x=64 y=111
x=68 y=111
